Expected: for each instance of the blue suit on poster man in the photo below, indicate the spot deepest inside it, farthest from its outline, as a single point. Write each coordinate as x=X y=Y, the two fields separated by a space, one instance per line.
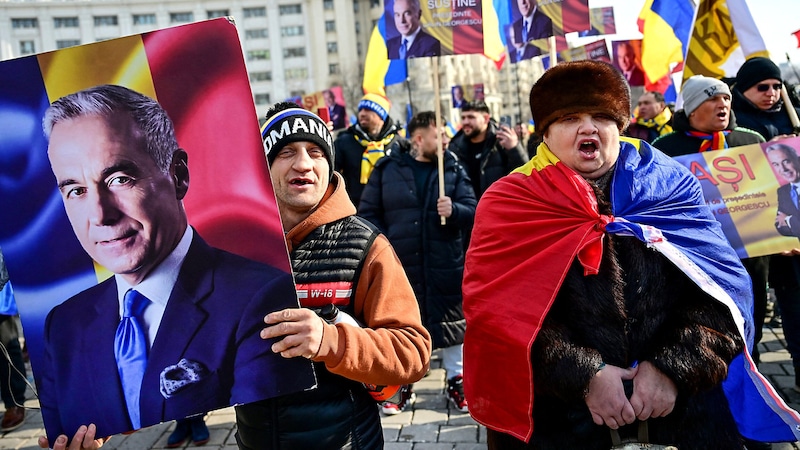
x=784 y=160
x=533 y=25
x=413 y=42
x=122 y=179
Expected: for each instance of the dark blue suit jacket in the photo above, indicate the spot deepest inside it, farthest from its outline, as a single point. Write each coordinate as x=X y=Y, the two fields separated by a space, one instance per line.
x=541 y=27
x=338 y=116
x=787 y=206
x=213 y=317
x=424 y=45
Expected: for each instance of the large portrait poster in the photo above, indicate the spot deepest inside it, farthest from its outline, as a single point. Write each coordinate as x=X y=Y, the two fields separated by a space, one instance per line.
x=461 y=94
x=597 y=51
x=202 y=347
x=330 y=99
x=425 y=28
x=602 y=22
x=628 y=59
x=751 y=192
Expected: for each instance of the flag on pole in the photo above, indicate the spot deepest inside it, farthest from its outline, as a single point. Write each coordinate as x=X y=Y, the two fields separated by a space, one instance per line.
x=493 y=41
x=797 y=35
x=724 y=36
x=379 y=70
x=665 y=26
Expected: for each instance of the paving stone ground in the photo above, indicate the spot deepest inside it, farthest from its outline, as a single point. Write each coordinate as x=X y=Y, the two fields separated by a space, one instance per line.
x=431 y=424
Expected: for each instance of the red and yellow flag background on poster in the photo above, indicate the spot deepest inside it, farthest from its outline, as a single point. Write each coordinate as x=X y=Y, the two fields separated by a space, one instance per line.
x=741 y=188
x=567 y=15
x=457 y=24
x=197 y=73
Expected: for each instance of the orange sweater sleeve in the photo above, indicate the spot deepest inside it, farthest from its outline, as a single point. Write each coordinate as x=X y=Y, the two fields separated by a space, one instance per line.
x=393 y=347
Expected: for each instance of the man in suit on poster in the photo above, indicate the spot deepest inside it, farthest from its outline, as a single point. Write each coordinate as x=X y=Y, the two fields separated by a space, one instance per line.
x=626 y=63
x=784 y=160
x=335 y=110
x=190 y=341
x=413 y=41
x=534 y=24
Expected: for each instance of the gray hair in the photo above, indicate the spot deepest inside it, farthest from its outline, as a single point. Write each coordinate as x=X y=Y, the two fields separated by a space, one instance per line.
x=788 y=151
x=105 y=100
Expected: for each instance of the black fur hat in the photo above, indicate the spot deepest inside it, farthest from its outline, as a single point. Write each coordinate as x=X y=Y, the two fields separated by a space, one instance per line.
x=580 y=86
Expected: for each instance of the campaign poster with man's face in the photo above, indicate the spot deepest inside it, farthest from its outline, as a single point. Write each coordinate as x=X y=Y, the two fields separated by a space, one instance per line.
x=139 y=213
x=428 y=28
x=627 y=57
x=329 y=102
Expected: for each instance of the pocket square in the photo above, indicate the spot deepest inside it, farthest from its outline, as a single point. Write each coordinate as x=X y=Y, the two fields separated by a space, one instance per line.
x=177 y=377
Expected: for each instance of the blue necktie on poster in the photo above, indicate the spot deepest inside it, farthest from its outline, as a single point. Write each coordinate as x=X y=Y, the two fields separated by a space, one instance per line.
x=130 y=350
x=404 y=49
x=521 y=50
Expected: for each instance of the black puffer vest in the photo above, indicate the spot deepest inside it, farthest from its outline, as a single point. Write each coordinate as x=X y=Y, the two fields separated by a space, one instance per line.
x=339 y=414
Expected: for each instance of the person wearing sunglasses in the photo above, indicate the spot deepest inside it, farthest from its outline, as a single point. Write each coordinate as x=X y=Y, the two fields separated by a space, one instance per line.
x=757 y=99
x=758 y=106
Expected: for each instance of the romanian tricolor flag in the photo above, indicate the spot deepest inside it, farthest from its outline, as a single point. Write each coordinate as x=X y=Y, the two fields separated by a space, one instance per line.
x=197 y=73
x=556 y=221
x=379 y=70
x=493 y=40
x=724 y=36
x=665 y=26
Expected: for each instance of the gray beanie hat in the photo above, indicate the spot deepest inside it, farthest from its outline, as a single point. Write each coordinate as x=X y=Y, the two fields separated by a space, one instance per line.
x=698 y=89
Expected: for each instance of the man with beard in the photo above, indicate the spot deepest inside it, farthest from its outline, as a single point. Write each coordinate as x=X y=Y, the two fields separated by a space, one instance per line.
x=361 y=145
x=651 y=119
x=487 y=150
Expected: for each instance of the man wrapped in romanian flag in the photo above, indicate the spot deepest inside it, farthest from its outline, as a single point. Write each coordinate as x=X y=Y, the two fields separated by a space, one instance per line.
x=600 y=292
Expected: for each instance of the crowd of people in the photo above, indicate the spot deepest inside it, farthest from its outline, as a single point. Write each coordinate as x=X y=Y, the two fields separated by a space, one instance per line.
x=539 y=261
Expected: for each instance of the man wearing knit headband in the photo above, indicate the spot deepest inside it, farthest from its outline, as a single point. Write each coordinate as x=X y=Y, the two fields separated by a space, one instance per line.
x=570 y=286
x=361 y=145
x=292 y=125
x=359 y=321
x=706 y=121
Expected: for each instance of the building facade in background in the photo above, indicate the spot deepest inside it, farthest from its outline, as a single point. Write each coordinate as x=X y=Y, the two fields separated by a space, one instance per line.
x=291 y=47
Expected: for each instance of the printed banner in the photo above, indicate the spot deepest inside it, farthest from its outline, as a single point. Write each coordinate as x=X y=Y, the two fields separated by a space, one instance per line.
x=567 y=15
x=203 y=349
x=597 y=51
x=627 y=58
x=331 y=100
x=602 y=22
x=750 y=191
x=461 y=94
x=427 y=28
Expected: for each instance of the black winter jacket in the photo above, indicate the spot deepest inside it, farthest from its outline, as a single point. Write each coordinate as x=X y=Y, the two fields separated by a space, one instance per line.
x=339 y=414
x=770 y=123
x=347 y=160
x=496 y=162
x=640 y=307
x=432 y=254
x=679 y=143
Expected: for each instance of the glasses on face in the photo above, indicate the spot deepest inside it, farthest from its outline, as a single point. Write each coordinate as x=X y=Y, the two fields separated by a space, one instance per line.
x=765 y=87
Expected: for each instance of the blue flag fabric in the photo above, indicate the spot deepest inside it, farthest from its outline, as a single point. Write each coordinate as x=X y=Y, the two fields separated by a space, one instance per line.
x=642 y=176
